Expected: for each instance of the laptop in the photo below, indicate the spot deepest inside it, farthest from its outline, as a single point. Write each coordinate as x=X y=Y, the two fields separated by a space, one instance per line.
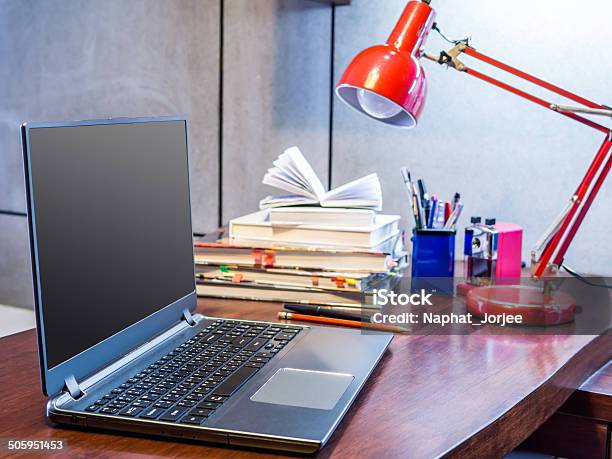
x=120 y=344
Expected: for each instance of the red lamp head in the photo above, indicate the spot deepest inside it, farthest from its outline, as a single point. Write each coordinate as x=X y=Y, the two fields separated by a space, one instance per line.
x=386 y=82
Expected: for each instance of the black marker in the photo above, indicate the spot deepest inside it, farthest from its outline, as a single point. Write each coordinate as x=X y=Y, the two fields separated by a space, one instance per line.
x=326 y=312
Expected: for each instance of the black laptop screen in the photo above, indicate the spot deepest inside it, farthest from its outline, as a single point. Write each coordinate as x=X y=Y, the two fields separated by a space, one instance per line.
x=112 y=225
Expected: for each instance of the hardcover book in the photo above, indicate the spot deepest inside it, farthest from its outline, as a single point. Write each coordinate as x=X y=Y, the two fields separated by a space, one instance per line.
x=217 y=249
x=258 y=226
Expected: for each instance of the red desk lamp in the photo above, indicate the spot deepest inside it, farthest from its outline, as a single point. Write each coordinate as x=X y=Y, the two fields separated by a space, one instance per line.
x=387 y=83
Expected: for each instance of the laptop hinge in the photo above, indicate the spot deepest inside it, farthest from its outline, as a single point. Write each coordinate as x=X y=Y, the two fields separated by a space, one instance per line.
x=73 y=388
x=187 y=317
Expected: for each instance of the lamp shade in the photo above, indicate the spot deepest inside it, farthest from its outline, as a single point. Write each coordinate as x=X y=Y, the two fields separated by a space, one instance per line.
x=386 y=82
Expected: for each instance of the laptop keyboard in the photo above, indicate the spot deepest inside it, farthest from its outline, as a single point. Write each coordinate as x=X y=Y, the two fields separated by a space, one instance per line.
x=189 y=383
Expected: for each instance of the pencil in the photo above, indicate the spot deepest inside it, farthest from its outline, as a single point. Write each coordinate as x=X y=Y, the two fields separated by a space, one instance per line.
x=345 y=323
x=326 y=312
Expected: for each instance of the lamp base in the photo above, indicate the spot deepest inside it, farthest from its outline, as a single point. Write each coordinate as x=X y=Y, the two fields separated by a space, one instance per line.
x=464 y=288
x=532 y=304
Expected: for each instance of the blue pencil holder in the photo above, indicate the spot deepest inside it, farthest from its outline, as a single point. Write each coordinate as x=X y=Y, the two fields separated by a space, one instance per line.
x=433 y=261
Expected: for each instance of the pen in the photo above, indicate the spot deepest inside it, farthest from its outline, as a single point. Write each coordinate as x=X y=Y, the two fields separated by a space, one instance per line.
x=438 y=215
x=425 y=204
x=457 y=214
x=345 y=323
x=432 y=211
x=413 y=198
x=419 y=206
x=447 y=211
x=456 y=200
x=427 y=208
x=449 y=222
x=326 y=312
x=422 y=192
x=452 y=220
x=415 y=211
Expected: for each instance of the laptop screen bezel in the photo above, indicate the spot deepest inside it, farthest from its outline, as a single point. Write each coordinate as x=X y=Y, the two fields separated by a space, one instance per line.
x=112 y=348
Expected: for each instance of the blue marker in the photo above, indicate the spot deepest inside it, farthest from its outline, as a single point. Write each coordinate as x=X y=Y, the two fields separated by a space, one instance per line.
x=432 y=211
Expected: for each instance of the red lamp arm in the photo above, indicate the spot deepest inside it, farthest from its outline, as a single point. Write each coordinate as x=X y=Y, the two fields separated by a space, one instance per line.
x=551 y=87
x=566 y=226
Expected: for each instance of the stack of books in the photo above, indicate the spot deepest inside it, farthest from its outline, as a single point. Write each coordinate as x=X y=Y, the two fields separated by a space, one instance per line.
x=312 y=247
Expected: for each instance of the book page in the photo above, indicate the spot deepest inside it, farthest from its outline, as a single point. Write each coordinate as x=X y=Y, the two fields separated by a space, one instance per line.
x=303 y=166
x=284 y=165
x=293 y=173
x=363 y=192
x=286 y=200
x=278 y=180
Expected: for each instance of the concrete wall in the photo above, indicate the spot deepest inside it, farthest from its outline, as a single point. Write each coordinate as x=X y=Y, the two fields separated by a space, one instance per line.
x=267 y=61
x=255 y=76
x=509 y=159
x=276 y=92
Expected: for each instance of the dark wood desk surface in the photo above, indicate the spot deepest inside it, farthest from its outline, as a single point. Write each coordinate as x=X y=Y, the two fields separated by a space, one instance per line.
x=593 y=399
x=582 y=428
x=600 y=383
x=466 y=396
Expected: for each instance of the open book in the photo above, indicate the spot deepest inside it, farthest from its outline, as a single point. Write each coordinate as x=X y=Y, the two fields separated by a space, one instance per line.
x=293 y=173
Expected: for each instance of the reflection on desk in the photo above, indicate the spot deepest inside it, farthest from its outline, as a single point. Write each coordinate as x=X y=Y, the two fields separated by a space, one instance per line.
x=469 y=395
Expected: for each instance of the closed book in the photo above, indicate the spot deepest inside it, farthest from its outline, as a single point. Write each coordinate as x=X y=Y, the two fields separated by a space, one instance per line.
x=322 y=216
x=217 y=249
x=256 y=292
x=391 y=245
x=258 y=226
x=292 y=278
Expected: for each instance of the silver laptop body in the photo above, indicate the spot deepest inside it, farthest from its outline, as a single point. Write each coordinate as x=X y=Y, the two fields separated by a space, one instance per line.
x=157 y=367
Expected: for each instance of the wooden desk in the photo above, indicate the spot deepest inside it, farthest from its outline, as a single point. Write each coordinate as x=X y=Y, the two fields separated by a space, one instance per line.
x=582 y=428
x=465 y=396
x=594 y=398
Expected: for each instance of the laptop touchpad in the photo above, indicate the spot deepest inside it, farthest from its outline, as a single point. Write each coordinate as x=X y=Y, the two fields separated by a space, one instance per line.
x=304 y=388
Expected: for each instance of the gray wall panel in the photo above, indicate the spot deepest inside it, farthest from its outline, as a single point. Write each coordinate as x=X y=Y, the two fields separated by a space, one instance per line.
x=15 y=269
x=509 y=159
x=64 y=60
x=275 y=92
x=108 y=58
